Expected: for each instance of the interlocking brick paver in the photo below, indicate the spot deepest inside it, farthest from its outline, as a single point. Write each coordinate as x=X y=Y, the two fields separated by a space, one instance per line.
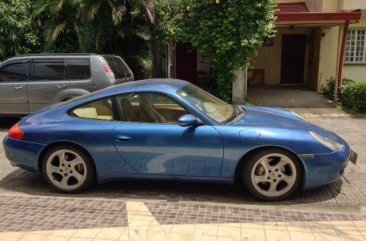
x=21 y=213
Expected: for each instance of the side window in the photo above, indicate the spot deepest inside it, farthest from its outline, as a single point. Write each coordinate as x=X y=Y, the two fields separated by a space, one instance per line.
x=98 y=110
x=14 y=73
x=79 y=68
x=150 y=108
x=49 y=71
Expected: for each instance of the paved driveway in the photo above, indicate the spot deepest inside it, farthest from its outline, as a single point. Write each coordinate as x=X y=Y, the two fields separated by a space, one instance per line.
x=306 y=102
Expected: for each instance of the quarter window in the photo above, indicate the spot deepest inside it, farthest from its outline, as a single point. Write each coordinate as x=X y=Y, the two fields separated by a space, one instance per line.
x=98 y=110
x=49 y=71
x=14 y=73
x=150 y=108
x=79 y=68
x=356 y=46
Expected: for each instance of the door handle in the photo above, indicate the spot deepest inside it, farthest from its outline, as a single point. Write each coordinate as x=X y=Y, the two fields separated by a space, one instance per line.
x=123 y=138
x=18 y=87
x=61 y=86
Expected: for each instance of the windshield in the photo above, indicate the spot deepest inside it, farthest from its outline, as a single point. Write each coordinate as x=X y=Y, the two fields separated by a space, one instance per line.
x=211 y=106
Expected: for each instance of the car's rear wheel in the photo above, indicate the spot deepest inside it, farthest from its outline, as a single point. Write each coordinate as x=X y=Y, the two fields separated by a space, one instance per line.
x=67 y=169
x=272 y=174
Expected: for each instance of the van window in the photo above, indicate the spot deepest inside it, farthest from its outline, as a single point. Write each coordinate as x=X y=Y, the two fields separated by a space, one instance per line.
x=49 y=71
x=14 y=72
x=79 y=68
x=118 y=67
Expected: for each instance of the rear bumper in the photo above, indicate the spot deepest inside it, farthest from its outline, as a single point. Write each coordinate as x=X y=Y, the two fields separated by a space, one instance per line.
x=326 y=168
x=22 y=154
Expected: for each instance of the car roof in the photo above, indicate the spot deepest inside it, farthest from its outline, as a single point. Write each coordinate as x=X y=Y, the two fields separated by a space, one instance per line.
x=146 y=85
x=56 y=55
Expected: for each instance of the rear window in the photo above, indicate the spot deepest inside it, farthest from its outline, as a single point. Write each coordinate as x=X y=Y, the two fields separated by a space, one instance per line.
x=79 y=68
x=118 y=67
x=49 y=71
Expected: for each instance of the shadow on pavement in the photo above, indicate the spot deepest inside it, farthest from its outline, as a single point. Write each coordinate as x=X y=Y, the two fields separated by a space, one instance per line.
x=7 y=122
x=23 y=182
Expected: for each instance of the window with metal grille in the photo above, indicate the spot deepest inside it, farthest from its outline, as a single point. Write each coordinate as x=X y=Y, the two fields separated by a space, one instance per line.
x=356 y=46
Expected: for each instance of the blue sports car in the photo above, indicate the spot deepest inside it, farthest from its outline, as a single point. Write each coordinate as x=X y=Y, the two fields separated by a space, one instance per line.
x=170 y=129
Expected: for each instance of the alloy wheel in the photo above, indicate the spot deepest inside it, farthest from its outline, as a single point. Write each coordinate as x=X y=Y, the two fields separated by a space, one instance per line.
x=273 y=175
x=66 y=169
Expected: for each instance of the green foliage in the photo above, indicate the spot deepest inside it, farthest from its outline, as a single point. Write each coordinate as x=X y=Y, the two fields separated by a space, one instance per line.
x=227 y=31
x=353 y=96
x=98 y=26
x=18 y=33
x=329 y=89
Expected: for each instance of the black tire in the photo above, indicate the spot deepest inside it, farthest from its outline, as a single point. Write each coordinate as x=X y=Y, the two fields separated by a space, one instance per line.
x=251 y=162
x=89 y=175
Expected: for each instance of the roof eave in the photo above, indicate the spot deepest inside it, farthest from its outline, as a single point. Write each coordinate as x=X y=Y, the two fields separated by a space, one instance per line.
x=318 y=17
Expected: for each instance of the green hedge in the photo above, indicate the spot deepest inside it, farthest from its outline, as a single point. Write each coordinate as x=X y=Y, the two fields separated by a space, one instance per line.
x=329 y=89
x=352 y=96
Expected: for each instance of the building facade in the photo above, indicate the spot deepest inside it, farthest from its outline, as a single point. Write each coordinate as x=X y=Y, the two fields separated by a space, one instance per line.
x=315 y=40
x=310 y=45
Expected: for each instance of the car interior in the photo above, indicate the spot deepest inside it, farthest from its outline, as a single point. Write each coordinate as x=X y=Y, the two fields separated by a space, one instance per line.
x=101 y=110
x=149 y=107
x=146 y=107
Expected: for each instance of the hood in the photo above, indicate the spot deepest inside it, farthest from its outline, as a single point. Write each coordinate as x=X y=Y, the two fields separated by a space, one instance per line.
x=257 y=116
x=277 y=111
x=271 y=118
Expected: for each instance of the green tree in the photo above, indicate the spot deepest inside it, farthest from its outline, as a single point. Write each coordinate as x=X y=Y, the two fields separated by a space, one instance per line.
x=18 y=33
x=101 y=26
x=227 y=31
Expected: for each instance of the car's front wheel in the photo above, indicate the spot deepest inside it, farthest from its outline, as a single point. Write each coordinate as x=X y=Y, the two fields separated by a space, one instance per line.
x=272 y=174
x=67 y=169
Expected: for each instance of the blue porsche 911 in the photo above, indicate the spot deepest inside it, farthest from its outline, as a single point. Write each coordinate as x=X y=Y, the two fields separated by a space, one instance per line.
x=171 y=129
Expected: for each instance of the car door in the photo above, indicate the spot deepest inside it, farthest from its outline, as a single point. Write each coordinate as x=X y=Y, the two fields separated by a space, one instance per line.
x=78 y=68
x=13 y=88
x=153 y=143
x=48 y=83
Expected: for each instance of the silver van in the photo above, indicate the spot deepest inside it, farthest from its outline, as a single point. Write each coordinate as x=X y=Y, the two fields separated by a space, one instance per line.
x=31 y=82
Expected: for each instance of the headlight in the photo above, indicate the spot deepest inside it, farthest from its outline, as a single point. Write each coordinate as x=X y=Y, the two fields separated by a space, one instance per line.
x=333 y=145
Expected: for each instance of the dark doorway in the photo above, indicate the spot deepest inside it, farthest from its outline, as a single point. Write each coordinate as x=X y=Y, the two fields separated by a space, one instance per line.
x=293 y=58
x=186 y=62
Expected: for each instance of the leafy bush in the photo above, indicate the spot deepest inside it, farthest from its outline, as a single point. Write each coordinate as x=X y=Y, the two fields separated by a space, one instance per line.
x=228 y=32
x=353 y=96
x=329 y=89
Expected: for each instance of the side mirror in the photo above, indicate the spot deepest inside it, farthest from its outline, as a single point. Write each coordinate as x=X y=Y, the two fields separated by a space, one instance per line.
x=188 y=120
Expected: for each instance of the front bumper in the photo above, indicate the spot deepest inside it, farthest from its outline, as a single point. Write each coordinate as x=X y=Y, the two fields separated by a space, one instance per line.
x=22 y=154
x=323 y=169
